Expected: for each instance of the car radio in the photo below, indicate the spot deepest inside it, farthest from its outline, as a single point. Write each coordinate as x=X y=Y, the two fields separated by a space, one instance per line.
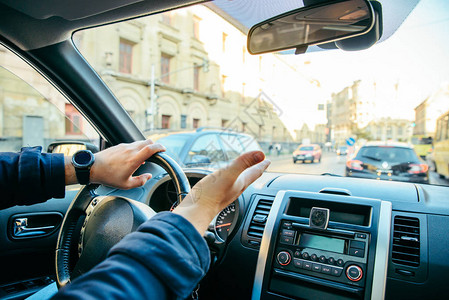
x=315 y=250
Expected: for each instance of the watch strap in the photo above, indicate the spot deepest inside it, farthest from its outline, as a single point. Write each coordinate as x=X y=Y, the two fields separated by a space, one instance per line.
x=83 y=175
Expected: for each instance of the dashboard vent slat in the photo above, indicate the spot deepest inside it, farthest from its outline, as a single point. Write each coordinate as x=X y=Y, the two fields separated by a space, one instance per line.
x=406 y=241
x=258 y=219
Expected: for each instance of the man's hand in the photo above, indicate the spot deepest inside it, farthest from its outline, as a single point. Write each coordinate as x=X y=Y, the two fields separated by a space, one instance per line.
x=217 y=190
x=114 y=166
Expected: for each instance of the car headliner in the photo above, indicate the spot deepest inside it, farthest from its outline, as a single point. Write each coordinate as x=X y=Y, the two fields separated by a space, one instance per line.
x=53 y=21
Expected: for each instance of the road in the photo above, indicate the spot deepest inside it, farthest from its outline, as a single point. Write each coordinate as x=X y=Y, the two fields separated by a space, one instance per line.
x=330 y=163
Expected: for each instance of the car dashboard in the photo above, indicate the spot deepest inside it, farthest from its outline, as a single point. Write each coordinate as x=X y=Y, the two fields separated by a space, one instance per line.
x=379 y=240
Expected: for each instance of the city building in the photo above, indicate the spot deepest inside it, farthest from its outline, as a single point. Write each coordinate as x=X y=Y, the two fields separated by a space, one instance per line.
x=388 y=129
x=428 y=111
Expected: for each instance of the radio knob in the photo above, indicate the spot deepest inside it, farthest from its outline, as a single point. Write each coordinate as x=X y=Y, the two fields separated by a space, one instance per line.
x=284 y=258
x=354 y=273
x=314 y=257
x=322 y=258
x=340 y=262
x=331 y=260
x=305 y=255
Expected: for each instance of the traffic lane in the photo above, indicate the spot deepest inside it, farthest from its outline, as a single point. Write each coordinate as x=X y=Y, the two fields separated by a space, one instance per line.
x=330 y=163
x=435 y=178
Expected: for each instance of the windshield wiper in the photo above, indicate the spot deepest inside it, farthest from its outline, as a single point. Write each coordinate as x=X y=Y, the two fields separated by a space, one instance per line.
x=330 y=174
x=371 y=157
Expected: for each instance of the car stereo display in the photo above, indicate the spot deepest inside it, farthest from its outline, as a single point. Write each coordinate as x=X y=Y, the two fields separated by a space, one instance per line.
x=321 y=242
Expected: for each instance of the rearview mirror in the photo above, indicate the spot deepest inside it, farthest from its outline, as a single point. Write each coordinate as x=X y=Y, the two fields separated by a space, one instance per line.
x=311 y=25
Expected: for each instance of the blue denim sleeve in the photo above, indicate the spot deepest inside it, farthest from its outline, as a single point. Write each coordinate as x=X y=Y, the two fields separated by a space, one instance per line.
x=30 y=177
x=164 y=259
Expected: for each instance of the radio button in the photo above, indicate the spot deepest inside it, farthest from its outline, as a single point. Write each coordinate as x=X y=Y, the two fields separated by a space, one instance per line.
x=284 y=258
x=354 y=273
x=286 y=240
x=356 y=252
x=316 y=267
x=314 y=257
x=358 y=245
x=322 y=258
x=307 y=265
x=331 y=260
x=287 y=225
x=305 y=255
x=288 y=233
x=340 y=262
x=361 y=235
x=326 y=270
x=336 y=271
x=297 y=263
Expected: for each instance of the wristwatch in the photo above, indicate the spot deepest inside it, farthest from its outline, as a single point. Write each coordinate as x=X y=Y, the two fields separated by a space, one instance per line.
x=83 y=161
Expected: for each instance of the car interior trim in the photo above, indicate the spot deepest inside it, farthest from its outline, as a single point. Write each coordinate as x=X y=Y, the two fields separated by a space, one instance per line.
x=265 y=245
x=382 y=251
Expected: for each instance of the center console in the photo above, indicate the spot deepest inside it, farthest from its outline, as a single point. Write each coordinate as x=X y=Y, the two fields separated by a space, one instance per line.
x=318 y=245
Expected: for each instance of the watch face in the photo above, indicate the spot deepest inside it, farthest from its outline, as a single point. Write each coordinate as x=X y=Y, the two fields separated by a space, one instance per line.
x=83 y=158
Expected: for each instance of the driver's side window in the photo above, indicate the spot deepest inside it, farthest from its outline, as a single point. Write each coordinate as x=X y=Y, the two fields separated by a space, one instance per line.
x=33 y=112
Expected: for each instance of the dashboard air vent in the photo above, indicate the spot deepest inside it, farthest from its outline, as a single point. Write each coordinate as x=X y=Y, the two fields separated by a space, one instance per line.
x=259 y=219
x=406 y=241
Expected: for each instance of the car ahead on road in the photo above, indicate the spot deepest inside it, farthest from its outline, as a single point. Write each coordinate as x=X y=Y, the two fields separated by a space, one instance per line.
x=305 y=153
x=342 y=150
x=205 y=147
x=289 y=236
x=388 y=162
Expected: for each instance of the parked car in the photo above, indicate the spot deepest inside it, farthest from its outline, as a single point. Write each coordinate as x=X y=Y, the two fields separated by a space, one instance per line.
x=305 y=153
x=205 y=147
x=342 y=150
x=388 y=162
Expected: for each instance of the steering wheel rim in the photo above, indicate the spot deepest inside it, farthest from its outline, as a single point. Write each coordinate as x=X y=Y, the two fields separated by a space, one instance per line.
x=84 y=198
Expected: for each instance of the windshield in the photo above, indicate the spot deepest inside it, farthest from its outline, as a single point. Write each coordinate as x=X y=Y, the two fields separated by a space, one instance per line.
x=189 y=68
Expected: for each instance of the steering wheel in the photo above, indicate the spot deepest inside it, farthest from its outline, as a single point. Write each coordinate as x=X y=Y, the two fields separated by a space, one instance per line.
x=93 y=223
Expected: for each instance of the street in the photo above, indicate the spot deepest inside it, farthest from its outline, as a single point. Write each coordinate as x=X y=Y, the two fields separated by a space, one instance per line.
x=330 y=163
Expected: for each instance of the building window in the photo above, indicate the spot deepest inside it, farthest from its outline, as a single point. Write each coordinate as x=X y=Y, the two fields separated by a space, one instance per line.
x=166 y=121
x=126 y=56
x=196 y=77
x=183 y=121
x=73 y=121
x=224 y=123
x=400 y=130
x=196 y=27
x=224 y=37
x=260 y=131
x=165 y=68
x=244 y=127
x=167 y=18
x=196 y=123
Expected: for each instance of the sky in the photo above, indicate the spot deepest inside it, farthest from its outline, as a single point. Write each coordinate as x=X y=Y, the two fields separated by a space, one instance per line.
x=415 y=58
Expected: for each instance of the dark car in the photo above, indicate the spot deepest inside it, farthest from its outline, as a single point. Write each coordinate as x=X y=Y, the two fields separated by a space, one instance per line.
x=205 y=147
x=388 y=162
x=305 y=153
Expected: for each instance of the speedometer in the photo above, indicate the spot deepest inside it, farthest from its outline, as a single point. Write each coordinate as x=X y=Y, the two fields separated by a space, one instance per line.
x=224 y=222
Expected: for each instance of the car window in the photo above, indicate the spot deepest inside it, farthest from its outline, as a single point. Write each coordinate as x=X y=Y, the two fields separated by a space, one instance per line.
x=206 y=146
x=231 y=145
x=174 y=144
x=306 y=148
x=388 y=154
x=33 y=112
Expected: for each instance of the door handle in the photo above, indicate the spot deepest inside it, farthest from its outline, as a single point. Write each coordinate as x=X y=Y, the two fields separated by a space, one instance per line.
x=21 y=229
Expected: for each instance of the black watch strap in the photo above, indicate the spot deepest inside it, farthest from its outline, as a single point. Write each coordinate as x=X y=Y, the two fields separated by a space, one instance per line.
x=83 y=175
